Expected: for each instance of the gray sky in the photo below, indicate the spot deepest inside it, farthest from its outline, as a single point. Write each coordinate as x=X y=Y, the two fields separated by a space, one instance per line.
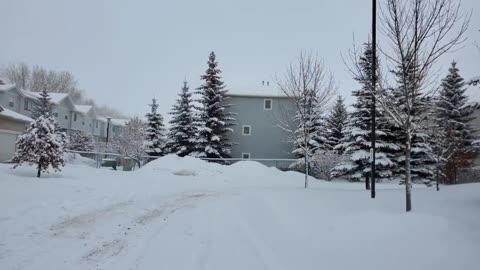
x=125 y=52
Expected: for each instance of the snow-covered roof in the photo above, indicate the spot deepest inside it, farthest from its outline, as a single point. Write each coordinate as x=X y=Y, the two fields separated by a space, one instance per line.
x=6 y=87
x=83 y=108
x=54 y=97
x=119 y=121
x=14 y=115
x=262 y=91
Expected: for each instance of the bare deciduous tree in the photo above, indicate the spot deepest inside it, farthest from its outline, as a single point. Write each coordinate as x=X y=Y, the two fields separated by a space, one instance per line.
x=38 y=78
x=311 y=88
x=131 y=141
x=419 y=33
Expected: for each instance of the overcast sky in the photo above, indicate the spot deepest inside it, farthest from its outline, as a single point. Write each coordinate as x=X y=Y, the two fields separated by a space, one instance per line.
x=125 y=52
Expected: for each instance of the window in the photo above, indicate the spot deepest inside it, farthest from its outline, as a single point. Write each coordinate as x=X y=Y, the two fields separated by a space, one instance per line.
x=83 y=123
x=267 y=104
x=246 y=130
x=245 y=155
x=55 y=114
x=75 y=117
x=96 y=124
x=11 y=103
x=25 y=105
x=66 y=117
x=90 y=124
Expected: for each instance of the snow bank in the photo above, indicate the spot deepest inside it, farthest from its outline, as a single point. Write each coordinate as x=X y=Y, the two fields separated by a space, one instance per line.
x=77 y=159
x=183 y=166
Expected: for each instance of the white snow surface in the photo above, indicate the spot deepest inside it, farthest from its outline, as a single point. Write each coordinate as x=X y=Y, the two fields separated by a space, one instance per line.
x=184 y=213
x=83 y=108
x=14 y=115
x=54 y=97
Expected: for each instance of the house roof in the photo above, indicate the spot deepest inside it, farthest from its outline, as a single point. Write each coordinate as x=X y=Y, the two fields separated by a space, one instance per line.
x=119 y=121
x=83 y=108
x=6 y=87
x=54 y=97
x=14 y=115
x=264 y=92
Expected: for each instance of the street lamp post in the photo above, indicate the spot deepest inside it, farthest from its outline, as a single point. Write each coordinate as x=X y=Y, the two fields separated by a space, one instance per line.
x=108 y=130
x=374 y=83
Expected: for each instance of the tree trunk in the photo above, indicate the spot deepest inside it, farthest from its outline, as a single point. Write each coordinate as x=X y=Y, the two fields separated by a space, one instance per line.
x=454 y=173
x=408 y=180
x=437 y=174
x=39 y=171
x=367 y=182
x=306 y=170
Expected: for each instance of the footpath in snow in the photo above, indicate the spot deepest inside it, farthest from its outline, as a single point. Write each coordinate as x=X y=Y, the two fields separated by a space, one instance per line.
x=184 y=213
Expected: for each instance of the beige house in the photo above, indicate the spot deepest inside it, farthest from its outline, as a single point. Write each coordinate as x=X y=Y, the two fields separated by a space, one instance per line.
x=12 y=124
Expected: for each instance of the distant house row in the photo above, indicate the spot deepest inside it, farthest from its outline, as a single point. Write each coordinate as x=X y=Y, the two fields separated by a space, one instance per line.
x=16 y=110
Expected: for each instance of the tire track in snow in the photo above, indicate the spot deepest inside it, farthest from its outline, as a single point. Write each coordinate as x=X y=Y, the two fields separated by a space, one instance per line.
x=157 y=216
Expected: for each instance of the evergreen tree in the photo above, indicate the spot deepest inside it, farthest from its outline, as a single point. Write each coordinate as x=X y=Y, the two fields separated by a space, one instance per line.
x=422 y=158
x=308 y=137
x=80 y=141
x=454 y=114
x=336 y=124
x=214 y=122
x=155 y=131
x=43 y=143
x=43 y=106
x=182 y=134
x=357 y=142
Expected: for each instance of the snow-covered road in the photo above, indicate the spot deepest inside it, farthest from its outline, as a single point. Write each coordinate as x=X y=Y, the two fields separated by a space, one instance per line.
x=178 y=214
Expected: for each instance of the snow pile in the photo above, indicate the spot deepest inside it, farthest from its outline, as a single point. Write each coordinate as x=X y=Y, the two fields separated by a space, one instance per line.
x=184 y=166
x=77 y=159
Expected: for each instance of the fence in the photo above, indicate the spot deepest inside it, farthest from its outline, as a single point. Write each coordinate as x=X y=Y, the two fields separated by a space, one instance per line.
x=117 y=161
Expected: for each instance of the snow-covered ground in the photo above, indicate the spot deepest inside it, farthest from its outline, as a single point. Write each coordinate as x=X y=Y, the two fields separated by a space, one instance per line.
x=188 y=214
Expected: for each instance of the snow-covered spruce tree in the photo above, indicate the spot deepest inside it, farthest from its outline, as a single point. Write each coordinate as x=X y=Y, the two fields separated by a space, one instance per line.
x=131 y=142
x=309 y=137
x=80 y=141
x=356 y=144
x=155 y=131
x=310 y=87
x=43 y=106
x=213 y=123
x=182 y=133
x=42 y=144
x=454 y=114
x=335 y=124
x=422 y=158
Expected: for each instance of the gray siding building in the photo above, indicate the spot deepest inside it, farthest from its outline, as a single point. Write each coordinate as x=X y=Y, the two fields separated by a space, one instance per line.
x=257 y=133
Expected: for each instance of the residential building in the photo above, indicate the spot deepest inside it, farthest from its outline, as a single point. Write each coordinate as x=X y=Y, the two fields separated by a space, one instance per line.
x=260 y=131
x=69 y=115
x=12 y=124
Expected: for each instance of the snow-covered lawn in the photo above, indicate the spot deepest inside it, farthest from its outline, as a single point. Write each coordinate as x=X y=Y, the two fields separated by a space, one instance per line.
x=188 y=214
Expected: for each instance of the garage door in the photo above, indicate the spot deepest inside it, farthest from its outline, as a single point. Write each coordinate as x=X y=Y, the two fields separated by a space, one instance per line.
x=7 y=146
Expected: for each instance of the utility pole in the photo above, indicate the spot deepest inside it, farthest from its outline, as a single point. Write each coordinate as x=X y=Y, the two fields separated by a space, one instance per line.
x=374 y=84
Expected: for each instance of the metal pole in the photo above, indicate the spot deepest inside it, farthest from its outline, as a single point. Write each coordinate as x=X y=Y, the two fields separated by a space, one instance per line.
x=374 y=83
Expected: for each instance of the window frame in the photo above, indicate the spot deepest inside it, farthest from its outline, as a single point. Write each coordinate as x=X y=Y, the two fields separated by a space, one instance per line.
x=249 y=156
x=26 y=105
x=265 y=103
x=11 y=102
x=249 y=130
x=74 y=117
